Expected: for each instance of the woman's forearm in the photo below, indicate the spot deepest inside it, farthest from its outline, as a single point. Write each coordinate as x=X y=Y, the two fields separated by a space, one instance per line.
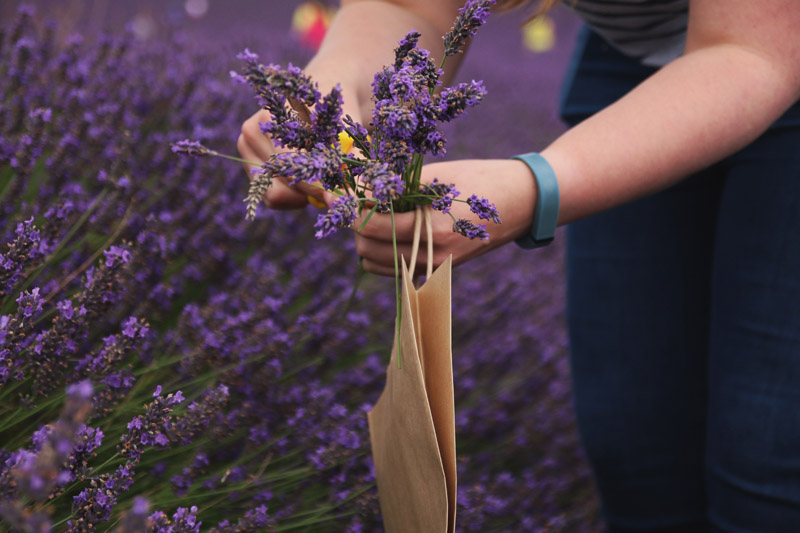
x=693 y=112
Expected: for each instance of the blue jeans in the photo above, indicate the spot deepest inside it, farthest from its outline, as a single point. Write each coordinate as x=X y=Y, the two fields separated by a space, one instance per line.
x=684 y=318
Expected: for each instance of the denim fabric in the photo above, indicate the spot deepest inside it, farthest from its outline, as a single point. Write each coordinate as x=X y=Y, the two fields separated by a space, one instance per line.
x=684 y=317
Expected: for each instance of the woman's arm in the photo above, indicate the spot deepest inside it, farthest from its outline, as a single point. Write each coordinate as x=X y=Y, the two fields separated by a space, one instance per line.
x=740 y=72
x=360 y=42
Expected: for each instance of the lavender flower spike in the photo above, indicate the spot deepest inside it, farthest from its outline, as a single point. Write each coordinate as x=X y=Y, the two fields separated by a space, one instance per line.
x=484 y=209
x=190 y=147
x=342 y=214
x=470 y=230
x=470 y=18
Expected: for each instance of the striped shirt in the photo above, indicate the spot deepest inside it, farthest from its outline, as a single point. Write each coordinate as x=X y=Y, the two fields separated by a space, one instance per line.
x=653 y=31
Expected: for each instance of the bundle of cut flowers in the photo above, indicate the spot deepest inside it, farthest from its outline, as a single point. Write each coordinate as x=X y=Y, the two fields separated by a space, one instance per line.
x=166 y=366
x=384 y=170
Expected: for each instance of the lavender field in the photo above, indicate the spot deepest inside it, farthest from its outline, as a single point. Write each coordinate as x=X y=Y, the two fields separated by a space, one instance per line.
x=166 y=366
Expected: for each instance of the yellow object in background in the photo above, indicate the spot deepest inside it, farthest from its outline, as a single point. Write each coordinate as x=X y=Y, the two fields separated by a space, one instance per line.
x=539 y=35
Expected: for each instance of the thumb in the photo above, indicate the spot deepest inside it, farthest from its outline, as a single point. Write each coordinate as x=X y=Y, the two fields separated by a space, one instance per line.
x=313 y=194
x=328 y=197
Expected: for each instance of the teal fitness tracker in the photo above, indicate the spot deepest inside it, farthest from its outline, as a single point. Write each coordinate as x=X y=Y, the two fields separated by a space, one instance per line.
x=545 y=217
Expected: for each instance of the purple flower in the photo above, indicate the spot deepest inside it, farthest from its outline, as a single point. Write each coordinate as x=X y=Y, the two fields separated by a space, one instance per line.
x=406 y=44
x=454 y=101
x=342 y=214
x=66 y=309
x=420 y=62
x=395 y=121
x=190 y=147
x=159 y=522
x=117 y=253
x=292 y=82
x=441 y=189
x=326 y=119
x=30 y=303
x=484 y=209
x=470 y=17
x=445 y=193
x=147 y=430
x=22 y=252
x=247 y=56
x=321 y=164
x=405 y=84
x=186 y=520
x=382 y=181
x=94 y=504
x=395 y=153
x=443 y=204
x=80 y=391
x=200 y=414
x=470 y=230
x=133 y=328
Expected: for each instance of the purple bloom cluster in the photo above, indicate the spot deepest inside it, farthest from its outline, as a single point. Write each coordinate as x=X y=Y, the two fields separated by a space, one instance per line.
x=483 y=208
x=189 y=147
x=470 y=17
x=407 y=112
x=405 y=124
x=94 y=504
x=18 y=253
x=253 y=520
x=342 y=214
x=470 y=230
x=383 y=183
x=130 y=267
x=148 y=430
x=443 y=195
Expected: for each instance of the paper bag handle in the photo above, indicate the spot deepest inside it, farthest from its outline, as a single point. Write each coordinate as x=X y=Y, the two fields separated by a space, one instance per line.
x=419 y=214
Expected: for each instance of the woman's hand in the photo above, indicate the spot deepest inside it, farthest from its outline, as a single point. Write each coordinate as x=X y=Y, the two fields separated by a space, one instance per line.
x=255 y=146
x=506 y=183
x=359 y=42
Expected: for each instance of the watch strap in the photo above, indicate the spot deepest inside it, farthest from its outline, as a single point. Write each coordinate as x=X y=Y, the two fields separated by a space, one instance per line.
x=545 y=215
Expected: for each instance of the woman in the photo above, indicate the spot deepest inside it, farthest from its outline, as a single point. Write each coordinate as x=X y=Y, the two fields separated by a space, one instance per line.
x=684 y=280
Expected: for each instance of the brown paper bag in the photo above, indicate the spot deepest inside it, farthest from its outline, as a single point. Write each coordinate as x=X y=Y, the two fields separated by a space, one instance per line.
x=412 y=425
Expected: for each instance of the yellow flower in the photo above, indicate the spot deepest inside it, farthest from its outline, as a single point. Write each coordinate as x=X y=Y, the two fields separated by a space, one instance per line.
x=346 y=141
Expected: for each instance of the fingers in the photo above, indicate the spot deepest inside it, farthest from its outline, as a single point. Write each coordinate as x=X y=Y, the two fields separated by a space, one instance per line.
x=380 y=270
x=279 y=196
x=255 y=146
x=378 y=256
x=379 y=227
x=247 y=153
x=252 y=136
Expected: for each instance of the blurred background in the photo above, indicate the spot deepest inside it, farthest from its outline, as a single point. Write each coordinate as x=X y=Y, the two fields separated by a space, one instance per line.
x=521 y=64
x=520 y=463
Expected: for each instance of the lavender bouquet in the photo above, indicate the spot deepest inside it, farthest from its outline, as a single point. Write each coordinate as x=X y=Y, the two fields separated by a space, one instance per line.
x=377 y=168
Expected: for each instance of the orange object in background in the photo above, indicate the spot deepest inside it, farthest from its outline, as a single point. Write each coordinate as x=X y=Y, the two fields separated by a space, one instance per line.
x=310 y=22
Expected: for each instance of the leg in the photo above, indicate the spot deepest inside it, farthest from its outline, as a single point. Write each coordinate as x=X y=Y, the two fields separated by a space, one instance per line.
x=754 y=372
x=638 y=311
